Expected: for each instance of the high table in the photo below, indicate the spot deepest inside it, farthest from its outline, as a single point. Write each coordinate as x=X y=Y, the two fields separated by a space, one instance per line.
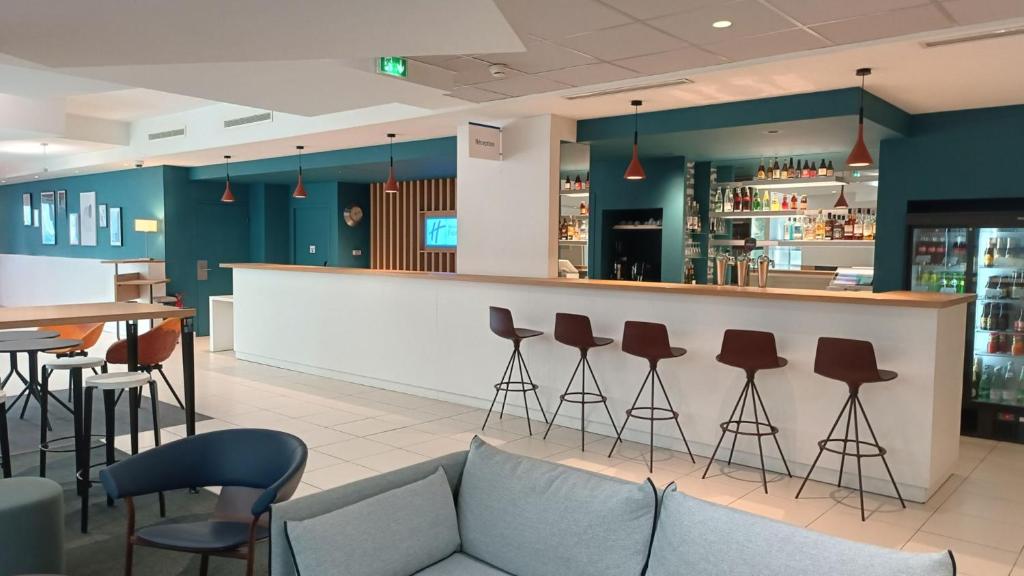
x=9 y=335
x=130 y=314
x=33 y=347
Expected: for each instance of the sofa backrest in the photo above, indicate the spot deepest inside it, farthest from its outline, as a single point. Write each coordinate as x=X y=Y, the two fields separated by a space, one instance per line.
x=536 y=518
x=281 y=561
x=698 y=538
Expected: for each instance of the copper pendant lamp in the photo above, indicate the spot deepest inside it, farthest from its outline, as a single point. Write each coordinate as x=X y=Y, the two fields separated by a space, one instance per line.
x=841 y=200
x=391 y=186
x=860 y=156
x=300 y=190
x=227 y=196
x=635 y=171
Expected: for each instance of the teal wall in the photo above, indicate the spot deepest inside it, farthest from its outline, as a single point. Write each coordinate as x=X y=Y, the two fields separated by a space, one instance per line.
x=357 y=237
x=967 y=154
x=138 y=192
x=664 y=188
x=269 y=223
x=322 y=198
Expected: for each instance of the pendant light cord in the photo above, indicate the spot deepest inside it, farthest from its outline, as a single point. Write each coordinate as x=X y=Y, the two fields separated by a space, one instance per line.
x=861 y=114
x=391 y=151
x=227 y=168
x=636 y=123
x=300 y=159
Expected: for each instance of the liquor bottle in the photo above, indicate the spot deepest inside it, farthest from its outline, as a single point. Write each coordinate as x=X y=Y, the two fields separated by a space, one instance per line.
x=858 y=226
x=830 y=171
x=794 y=202
x=718 y=205
x=821 y=168
x=748 y=202
x=1004 y=317
x=586 y=183
x=985 y=322
x=787 y=229
x=848 y=226
x=776 y=171
x=805 y=172
x=691 y=277
x=819 y=226
x=869 y=231
x=731 y=201
x=798 y=232
x=838 y=223
x=761 y=172
x=584 y=210
x=791 y=169
x=808 y=228
x=775 y=203
x=578 y=184
x=785 y=202
x=755 y=202
x=784 y=174
x=567 y=185
x=989 y=258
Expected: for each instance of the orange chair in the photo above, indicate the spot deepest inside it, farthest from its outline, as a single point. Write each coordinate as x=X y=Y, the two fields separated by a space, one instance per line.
x=89 y=334
x=155 y=347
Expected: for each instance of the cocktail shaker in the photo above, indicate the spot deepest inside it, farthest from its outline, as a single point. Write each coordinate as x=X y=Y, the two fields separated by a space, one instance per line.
x=722 y=262
x=763 y=264
x=743 y=270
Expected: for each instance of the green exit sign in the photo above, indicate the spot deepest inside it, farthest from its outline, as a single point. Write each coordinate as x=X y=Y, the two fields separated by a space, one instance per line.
x=393 y=66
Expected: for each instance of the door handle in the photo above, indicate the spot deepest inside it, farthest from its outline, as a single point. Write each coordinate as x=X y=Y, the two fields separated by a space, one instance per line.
x=202 y=270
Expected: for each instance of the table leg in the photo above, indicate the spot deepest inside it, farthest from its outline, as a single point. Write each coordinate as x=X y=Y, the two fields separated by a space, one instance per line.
x=33 y=387
x=188 y=366
x=131 y=330
x=80 y=445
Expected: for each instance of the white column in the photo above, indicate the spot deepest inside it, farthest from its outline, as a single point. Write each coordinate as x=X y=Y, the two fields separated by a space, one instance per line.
x=508 y=209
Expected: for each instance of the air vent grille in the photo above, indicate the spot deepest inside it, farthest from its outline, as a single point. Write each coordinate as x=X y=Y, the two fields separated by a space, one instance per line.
x=175 y=133
x=976 y=37
x=251 y=119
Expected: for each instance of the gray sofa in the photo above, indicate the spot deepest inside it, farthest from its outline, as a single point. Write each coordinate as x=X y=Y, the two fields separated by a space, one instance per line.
x=508 y=514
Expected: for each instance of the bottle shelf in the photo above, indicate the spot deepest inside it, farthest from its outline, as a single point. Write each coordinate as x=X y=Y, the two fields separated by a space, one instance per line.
x=812 y=182
x=758 y=214
x=1007 y=332
x=1000 y=268
x=825 y=242
x=637 y=227
x=730 y=242
x=998 y=355
x=1001 y=300
x=574 y=242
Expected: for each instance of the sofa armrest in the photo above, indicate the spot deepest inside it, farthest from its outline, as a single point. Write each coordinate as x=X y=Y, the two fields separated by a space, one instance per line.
x=281 y=561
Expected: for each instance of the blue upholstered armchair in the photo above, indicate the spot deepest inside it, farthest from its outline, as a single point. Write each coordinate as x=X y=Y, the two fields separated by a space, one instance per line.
x=255 y=469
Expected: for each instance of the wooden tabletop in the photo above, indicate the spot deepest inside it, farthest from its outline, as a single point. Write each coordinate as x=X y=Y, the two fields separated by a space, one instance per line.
x=32 y=316
x=897 y=298
x=143 y=282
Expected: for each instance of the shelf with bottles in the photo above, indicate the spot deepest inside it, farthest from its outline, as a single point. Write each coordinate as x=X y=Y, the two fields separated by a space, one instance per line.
x=570 y=185
x=994 y=380
x=761 y=214
x=572 y=242
x=637 y=227
x=825 y=242
x=734 y=242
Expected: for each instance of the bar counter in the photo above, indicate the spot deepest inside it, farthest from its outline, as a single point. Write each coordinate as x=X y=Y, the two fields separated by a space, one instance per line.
x=427 y=334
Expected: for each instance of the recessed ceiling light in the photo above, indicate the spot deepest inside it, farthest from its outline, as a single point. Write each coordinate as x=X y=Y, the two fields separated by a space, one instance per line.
x=36 y=177
x=772 y=131
x=721 y=24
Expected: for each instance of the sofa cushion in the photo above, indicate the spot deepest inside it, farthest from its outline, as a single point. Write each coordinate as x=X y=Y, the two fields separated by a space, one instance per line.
x=396 y=533
x=698 y=538
x=461 y=565
x=535 y=518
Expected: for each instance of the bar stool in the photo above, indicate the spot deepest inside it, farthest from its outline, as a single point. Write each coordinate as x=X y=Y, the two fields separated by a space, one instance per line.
x=110 y=384
x=89 y=334
x=74 y=366
x=574 y=330
x=750 y=351
x=649 y=341
x=155 y=347
x=852 y=362
x=5 y=442
x=503 y=326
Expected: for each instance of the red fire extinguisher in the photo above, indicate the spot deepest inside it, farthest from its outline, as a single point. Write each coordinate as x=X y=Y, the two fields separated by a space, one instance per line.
x=179 y=300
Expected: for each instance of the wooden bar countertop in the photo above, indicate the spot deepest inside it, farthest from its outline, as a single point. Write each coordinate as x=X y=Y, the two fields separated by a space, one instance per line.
x=896 y=298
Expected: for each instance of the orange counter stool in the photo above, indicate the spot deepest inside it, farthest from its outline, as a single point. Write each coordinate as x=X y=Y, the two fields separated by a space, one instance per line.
x=155 y=347
x=750 y=351
x=853 y=363
x=649 y=341
x=503 y=326
x=575 y=330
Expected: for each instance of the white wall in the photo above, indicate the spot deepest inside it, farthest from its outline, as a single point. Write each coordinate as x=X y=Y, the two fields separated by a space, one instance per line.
x=40 y=280
x=508 y=209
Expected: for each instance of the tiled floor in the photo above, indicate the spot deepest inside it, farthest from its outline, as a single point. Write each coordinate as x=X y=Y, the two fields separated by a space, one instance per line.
x=356 y=431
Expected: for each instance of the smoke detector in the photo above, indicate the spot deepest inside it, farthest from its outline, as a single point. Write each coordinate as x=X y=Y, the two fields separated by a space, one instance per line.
x=498 y=70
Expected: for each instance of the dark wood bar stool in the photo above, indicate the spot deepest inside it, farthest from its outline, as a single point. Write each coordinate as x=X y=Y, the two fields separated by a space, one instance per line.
x=649 y=341
x=503 y=326
x=750 y=351
x=574 y=330
x=852 y=362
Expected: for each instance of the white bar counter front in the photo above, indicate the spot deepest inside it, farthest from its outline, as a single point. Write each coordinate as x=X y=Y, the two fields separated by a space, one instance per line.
x=428 y=334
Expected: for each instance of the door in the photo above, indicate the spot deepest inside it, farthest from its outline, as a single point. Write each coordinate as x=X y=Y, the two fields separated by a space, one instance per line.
x=311 y=236
x=939 y=259
x=221 y=236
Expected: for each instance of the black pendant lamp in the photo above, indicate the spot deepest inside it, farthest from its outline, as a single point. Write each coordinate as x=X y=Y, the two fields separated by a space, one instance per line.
x=860 y=156
x=300 y=190
x=227 y=196
x=635 y=171
x=391 y=186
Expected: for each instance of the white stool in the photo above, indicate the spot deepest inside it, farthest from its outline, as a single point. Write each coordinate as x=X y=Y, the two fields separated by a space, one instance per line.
x=74 y=366
x=110 y=384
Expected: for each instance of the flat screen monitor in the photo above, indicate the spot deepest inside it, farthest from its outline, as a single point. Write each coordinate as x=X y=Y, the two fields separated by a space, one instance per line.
x=440 y=232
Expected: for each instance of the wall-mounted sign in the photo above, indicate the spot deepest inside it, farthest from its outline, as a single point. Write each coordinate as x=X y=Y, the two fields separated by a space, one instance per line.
x=484 y=141
x=393 y=66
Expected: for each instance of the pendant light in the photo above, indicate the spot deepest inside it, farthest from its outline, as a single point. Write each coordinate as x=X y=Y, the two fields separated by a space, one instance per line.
x=841 y=200
x=860 y=156
x=391 y=186
x=635 y=171
x=227 y=196
x=300 y=190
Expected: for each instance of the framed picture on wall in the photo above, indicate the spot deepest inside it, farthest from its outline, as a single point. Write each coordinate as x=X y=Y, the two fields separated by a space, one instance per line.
x=115 y=226
x=62 y=200
x=26 y=209
x=73 y=229
x=48 y=217
x=102 y=216
x=35 y=217
x=87 y=218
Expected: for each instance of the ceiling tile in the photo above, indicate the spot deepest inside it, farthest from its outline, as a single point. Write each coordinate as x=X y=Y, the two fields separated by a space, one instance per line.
x=474 y=94
x=671 y=61
x=976 y=12
x=749 y=18
x=468 y=70
x=516 y=84
x=436 y=60
x=623 y=42
x=590 y=74
x=809 y=12
x=644 y=9
x=886 y=25
x=768 y=45
x=540 y=56
x=556 y=19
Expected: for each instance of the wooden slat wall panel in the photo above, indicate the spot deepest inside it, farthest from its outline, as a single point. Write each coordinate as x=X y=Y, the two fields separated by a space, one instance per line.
x=396 y=225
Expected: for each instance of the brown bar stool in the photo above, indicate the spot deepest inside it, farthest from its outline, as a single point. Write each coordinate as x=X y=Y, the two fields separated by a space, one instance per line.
x=750 y=351
x=852 y=362
x=502 y=325
x=649 y=341
x=574 y=330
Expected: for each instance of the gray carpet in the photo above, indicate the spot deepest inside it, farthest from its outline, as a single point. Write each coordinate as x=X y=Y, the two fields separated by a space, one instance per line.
x=101 y=551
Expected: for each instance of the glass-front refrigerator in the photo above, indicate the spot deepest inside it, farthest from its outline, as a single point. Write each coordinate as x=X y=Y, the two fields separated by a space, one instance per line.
x=981 y=254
